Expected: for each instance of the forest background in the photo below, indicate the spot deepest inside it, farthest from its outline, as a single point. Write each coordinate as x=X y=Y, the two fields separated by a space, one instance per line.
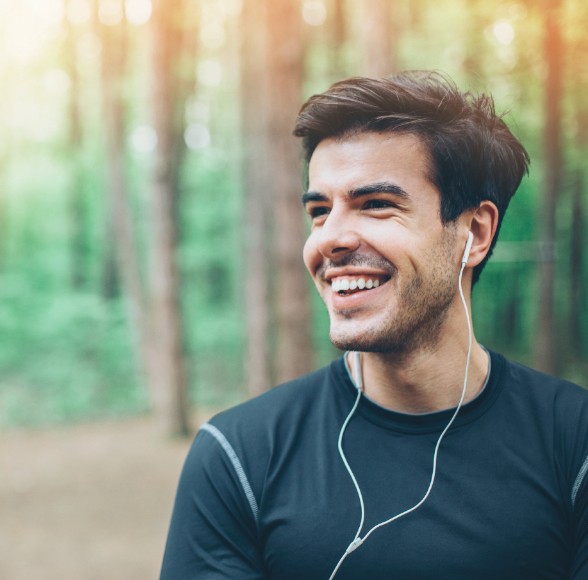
x=150 y=218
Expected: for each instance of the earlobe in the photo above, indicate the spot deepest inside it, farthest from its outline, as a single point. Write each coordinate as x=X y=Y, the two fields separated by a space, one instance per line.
x=483 y=225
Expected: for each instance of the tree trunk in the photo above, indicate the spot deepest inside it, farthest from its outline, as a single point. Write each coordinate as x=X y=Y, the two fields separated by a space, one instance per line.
x=169 y=388
x=256 y=201
x=76 y=204
x=121 y=253
x=338 y=36
x=377 y=38
x=285 y=70
x=545 y=345
x=577 y=299
x=577 y=254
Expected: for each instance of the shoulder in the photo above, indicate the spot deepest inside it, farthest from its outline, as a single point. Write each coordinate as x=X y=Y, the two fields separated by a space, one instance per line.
x=533 y=384
x=556 y=407
x=285 y=402
x=246 y=437
x=265 y=421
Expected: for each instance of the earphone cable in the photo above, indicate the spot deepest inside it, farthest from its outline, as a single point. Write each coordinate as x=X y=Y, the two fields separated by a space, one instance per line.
x=357 y=541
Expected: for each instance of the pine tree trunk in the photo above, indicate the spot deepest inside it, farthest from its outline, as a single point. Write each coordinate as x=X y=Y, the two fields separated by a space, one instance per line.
x=577 y=253
x=76 y=205
x=377 y=38
x=169 y=386
x=545 y=345
x=294 y=354
x=256 y=199
x=122 y=260
x=338 y=36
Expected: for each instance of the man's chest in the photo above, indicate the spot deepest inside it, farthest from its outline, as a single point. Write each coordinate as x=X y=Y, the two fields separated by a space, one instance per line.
x=490 y=514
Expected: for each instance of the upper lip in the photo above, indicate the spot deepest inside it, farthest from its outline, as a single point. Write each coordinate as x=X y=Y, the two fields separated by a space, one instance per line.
x=353 y=273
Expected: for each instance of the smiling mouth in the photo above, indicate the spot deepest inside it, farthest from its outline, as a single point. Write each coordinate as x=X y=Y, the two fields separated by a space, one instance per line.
x=345 y=286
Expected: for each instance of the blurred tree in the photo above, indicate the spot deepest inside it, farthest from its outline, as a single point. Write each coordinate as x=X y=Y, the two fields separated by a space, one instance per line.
x=553 y=50
x=118 y=238
x=169 y=386
x=121 y=254
x=338 y=33
x=377 y=38
x=578 y=73
x=77 y=206
x=257 y=202
x=285 y=51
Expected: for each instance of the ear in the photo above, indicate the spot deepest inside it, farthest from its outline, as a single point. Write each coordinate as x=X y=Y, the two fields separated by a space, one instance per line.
x=483 y=223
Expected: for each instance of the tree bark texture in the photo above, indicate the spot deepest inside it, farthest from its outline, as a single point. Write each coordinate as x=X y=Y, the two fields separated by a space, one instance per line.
x=76 y=204
x=256 y=200
x=285 y=70
x=546 y=343
x=338 y=36
x=578 y=226
x=376 y=36
x=169 y=389
x=120 y=242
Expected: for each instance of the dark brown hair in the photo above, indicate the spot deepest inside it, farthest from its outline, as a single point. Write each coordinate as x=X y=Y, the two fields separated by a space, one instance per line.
x=474 y=155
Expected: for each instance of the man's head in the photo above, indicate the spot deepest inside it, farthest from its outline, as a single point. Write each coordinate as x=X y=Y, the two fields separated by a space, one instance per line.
x=473 y=156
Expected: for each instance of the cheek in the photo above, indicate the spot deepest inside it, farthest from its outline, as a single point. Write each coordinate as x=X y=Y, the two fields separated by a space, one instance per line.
x=311 y=255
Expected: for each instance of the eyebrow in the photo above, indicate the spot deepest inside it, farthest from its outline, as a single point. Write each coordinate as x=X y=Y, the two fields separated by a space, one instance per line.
x=357 y=192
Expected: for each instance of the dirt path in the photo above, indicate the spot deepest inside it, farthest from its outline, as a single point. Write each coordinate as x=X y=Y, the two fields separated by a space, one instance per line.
x=88 y=502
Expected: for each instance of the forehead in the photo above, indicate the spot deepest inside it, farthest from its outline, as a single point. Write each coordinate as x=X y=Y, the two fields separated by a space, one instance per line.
x=354 y=160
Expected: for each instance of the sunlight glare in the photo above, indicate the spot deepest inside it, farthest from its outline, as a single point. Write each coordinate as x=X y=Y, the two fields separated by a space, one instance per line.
x=144 y=139
x=231 y=7
x=110 y=12
x=210 y=73
x=197 y=136
x=56 y=81
x=213 y=35
x=79 y=11
x=314 y=12
x=138 y=12
x=47 y=11
x=503 y=31
x=89 y=47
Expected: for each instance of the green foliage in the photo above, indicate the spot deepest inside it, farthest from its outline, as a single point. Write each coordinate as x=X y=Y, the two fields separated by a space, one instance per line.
x=66 y=347
x=65 y=356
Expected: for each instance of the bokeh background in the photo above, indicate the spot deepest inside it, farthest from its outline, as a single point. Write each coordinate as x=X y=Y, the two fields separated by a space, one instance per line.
x=151 y=231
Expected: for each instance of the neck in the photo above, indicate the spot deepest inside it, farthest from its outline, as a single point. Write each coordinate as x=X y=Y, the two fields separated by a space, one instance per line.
x=428 y=380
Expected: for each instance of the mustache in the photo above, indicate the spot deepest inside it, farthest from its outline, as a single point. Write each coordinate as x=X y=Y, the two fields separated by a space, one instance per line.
x=358 y=260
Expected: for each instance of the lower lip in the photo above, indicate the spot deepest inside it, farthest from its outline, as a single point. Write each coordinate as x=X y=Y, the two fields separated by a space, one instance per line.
x=355 y=300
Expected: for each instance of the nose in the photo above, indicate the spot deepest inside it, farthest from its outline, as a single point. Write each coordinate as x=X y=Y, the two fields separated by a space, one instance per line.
x=337 y=236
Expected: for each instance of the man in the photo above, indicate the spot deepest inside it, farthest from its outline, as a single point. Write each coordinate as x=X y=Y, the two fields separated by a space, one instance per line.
x=419 y=454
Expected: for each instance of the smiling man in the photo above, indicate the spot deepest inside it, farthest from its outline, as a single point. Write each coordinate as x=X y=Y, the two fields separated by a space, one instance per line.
x=419 y=454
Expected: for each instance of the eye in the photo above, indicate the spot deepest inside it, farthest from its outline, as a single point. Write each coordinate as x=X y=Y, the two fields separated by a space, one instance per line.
x=317 y=211
x=378 y=204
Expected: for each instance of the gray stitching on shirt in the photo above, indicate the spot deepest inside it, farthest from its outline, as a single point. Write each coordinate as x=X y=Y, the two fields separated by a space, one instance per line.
x=579 y=480
x=228 y=449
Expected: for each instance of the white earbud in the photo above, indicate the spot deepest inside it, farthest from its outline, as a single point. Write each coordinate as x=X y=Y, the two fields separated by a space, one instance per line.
x=466 y=252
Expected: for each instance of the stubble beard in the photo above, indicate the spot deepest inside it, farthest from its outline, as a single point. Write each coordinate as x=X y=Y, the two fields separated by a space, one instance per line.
x=416 y=322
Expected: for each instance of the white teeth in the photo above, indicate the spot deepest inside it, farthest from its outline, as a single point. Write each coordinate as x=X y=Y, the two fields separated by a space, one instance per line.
x=345 y=284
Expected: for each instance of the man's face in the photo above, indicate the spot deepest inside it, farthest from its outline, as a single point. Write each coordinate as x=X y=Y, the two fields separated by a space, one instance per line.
x=382 y=261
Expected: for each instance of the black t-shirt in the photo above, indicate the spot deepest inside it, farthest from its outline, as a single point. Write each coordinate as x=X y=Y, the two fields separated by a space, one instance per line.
x=264 y=493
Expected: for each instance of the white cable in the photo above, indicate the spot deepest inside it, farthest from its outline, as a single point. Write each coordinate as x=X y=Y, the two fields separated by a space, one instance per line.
x=357 y=540
x=359 y=385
